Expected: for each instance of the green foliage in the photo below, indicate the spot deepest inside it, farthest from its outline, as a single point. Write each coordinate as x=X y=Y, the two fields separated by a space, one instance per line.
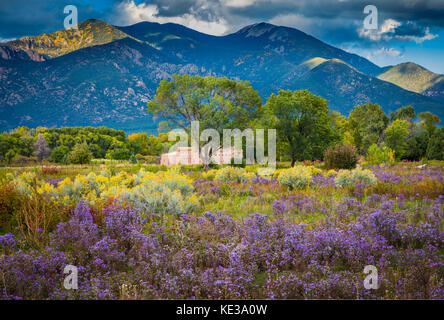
x=367 y=123
x=9 y=156
x=99 y=140
x=303 y=124
x=119 y=152
x=133 y=159
x=405 y=113
x=159 y=198
x=396 y=135
x=26 y=145
x=429 y=121
x=435 y=148
x=139 y=143
x=305 y=127
x=10 y=203
x=59 y=154
x=80 y=154
x=341 y=157
x=377 y=156
x=218 y=103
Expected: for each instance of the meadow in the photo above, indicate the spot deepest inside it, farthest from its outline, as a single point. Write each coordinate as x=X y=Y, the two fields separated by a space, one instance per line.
x=151 y=232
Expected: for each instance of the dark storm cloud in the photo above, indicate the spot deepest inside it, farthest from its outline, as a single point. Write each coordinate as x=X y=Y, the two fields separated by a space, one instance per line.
x=410 y=29
x=338 y=20
x=428 y=11
x=332 y=19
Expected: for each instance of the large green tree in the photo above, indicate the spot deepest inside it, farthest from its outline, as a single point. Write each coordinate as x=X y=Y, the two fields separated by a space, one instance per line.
x=396 y=135
x=435 y=148
x=303 y=123
x=80 y=154
x=405 y=113
x=429 y=121
x=366 y=124
x=217 y=103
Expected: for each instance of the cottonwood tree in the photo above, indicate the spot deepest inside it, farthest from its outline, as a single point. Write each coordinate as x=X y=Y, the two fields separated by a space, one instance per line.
x=80 y=154
x=405 y=113
x=217 y=103
x=396 y=135
x=429 y=121
x=366 y=124
x=303 y=123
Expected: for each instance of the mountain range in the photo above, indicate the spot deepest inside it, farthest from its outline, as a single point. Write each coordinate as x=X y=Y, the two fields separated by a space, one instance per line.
x=101 y=74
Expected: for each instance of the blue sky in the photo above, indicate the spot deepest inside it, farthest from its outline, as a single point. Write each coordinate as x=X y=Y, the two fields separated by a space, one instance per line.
x=408 y=30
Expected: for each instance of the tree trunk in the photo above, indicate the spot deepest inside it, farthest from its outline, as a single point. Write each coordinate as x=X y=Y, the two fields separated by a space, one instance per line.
x=293 y=160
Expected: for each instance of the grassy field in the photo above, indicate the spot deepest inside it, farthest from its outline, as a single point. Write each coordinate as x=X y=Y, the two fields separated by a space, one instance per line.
x=151 y=232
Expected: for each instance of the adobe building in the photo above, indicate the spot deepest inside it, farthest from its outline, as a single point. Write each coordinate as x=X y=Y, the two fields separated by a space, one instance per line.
x=184 y=156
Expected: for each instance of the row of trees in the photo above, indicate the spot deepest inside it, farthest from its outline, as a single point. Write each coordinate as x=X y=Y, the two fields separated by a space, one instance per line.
x=76 y=144
x=305 y=125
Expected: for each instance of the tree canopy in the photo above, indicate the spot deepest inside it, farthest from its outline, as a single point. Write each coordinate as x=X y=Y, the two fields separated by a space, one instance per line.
x=217 y=103
x=303 y=123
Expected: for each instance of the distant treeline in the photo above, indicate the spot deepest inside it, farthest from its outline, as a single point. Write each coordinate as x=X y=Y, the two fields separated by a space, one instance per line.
x=78 y=145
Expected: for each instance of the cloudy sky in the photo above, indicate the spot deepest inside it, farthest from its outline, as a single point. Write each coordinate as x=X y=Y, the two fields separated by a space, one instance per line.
x=408 y=30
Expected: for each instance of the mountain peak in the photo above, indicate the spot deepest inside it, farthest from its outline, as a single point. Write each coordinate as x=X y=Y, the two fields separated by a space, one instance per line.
x=257 y=29
x=89 y=33
x=411 y=76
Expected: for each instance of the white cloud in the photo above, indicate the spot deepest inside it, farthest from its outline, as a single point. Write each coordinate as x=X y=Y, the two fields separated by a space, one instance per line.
x=395 y=30
x=3 y=40
x=387 y=30
x=128 y=13
x=387 y=52
x=238 y=3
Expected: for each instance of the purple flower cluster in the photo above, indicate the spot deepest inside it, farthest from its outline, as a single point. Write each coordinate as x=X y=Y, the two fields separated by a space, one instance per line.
x=214 y=256
x=412 y=175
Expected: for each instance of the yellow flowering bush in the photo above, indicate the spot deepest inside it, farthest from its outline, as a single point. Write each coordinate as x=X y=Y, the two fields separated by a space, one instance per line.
x=298 y=177
x=161 y=192
x=209 y=175
x=228 y=174
x=349 y=178
x=331 y=173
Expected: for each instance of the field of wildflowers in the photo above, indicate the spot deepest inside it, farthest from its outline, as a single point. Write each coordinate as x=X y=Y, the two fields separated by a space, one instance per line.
x=147 y=232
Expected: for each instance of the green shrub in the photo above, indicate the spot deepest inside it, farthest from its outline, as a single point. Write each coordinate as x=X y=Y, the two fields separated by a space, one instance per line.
x=377 y=156
x=10 y=202
x=59 y=154
x=350 y=178
x=10 y=155
x=341 y=157
x=148 y=159
x=80 y=154
x=22 y=160
x=228 y=174
x=133 y=159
